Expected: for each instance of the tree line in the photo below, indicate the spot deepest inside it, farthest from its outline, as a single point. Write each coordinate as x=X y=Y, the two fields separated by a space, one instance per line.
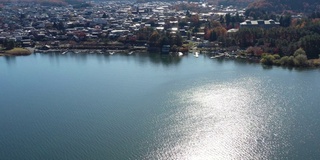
x=304 y=33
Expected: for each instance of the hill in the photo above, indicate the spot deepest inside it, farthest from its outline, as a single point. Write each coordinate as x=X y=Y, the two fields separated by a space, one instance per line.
x=307 y=6
x=235 y=2
x=49 y=2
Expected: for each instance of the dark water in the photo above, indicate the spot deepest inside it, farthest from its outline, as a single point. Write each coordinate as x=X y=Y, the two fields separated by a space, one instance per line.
x=155 y=107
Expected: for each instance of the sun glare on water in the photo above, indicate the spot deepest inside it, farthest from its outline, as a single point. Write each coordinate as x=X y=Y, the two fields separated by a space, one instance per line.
x=221 y=121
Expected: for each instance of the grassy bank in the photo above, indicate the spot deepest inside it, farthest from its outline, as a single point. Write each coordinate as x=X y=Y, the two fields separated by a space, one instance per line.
x=16 y=52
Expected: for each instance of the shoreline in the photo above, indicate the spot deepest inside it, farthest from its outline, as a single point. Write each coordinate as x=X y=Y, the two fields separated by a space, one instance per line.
x=87 y=51
x=313 y=63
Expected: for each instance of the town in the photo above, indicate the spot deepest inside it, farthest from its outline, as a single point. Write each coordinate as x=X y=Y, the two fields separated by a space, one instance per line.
x=126 y=26
x=100 y=25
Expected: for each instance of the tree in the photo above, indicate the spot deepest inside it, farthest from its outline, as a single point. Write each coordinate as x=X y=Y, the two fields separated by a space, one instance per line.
x=311 y=45
x=299 y=51
x=285 y=21
x=10 y=45
x=164 y=41
x=267 y=59
x=300 y=60
x=213 y=24
x=154 y=39
x=144 y=33
x=221 y=19
x=188 y=13
x=175 y=39
x=220 y=31
x=284 y=61
x=233 y=21
x=61 y=26
x=213 y=36
x=238 y=19
x=228 y=19
x=104 y=15
x=55 y=25
x=194 y=19
x=182 y=23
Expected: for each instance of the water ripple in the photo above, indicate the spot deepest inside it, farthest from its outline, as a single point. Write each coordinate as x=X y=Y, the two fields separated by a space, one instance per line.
x=231 y=120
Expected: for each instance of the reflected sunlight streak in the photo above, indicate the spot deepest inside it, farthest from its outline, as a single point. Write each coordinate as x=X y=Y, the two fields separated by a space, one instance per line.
x=225 y=121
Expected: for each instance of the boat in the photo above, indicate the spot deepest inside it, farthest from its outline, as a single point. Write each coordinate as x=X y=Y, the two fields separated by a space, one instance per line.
x=130 y=52
x=64 y=52
x=196 y=54
x=180 y=53
x=111 y=53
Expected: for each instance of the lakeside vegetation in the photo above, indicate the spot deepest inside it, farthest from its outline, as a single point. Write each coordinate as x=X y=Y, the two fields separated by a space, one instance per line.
x=298 y=59
x=296 y=45
x=16 y=52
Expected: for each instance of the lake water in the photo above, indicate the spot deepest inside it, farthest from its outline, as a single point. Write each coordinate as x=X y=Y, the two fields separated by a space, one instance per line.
x=155 y=107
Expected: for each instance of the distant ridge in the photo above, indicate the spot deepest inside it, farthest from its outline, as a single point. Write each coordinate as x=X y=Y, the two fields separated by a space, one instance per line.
x=53 y=2
x=237 y=3
x=286 y=5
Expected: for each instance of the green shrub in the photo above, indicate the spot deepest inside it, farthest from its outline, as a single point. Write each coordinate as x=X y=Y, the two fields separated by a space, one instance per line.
x=301 y=60
x=291 y=61
x=284 y=61
x=267 y=59
x=277 y=62
x=276 y=56
x=299 y=51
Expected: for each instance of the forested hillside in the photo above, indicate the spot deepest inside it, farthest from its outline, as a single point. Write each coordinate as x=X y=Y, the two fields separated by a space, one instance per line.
x=289 y=5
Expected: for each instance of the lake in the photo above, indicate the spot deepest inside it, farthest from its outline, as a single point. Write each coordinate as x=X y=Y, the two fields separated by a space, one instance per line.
x=150 y=106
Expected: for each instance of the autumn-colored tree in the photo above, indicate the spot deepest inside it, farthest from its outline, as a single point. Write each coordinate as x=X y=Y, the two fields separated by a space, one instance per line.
x=175 y=39
x=194 y=19
x=144 y=33
x=213 y=24
x=256 y=51
x=154 y=38
x=220 y=31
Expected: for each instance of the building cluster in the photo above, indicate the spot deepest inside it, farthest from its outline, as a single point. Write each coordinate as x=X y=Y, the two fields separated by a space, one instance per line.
x=260 y=23
x=34 y=23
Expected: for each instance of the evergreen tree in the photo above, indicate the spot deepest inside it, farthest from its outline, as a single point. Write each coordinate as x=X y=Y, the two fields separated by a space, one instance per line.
x=104 y=15
x=221 y=19
x=188 y=13
x=285 y=21
x=213 y=36
x=228 y=19
x=9 y=45
x=61 y=26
